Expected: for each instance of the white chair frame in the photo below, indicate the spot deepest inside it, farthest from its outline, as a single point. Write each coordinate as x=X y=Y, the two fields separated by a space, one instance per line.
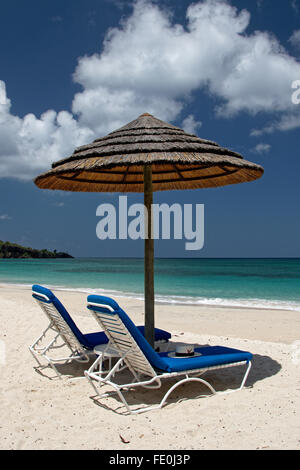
x=134 y=358
x=62 y=332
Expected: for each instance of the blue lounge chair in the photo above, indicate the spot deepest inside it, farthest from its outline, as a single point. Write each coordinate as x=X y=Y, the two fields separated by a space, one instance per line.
x=148 y=367
x=64 y=328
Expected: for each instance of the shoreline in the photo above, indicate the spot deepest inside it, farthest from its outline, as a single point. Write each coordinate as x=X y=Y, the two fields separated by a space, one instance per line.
x=271 y=325
x=162 y=299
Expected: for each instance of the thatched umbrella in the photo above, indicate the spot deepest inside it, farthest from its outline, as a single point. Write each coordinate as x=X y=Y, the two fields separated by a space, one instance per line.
x=148 y=155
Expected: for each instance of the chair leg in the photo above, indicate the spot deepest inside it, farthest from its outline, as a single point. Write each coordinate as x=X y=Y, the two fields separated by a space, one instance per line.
x=163 y=401
x=246 y=375
x=187 y=379
x=35 y=356
x=227 y=392
x=54 y=368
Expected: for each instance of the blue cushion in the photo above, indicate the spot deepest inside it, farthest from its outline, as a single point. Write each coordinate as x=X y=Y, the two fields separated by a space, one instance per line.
x=211 y=355
x=93 y=339
x=90 y=340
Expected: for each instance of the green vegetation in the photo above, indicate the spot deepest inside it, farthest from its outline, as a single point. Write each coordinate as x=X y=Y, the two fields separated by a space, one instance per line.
x=13 y=250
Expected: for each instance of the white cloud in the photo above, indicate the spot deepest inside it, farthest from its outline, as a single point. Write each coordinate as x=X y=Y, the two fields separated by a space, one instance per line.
x=287 y=122
x=5 y=217
x=262 y=148
x=259 y=132
x=150 y=64
x=295 y=39
x=31 y=144
x=190 y=125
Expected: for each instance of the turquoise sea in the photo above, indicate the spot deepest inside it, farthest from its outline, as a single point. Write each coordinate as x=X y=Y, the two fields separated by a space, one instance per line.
x=264 y=283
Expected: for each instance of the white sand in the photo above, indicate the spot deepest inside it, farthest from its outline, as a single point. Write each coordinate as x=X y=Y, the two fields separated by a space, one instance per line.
x=39 y=413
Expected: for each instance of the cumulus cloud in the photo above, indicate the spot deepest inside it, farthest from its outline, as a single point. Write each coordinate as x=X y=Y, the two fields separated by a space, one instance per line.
x=148 y=59
x=151 y=64
x=31 y=144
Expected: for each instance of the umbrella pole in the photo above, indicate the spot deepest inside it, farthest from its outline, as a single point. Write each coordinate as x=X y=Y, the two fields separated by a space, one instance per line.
x=149 y=257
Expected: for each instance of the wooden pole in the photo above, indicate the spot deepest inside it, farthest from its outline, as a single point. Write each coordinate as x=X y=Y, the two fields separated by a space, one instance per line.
x=149 y=257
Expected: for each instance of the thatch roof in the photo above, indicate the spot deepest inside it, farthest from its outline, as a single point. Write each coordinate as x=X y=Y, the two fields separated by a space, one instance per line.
x=179 y=161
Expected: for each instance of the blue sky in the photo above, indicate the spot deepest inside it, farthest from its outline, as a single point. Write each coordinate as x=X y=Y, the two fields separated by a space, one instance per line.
x=72 y=71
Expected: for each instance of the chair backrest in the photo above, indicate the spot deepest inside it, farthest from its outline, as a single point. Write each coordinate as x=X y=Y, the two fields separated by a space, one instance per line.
x=59 y=317
x=124 y=335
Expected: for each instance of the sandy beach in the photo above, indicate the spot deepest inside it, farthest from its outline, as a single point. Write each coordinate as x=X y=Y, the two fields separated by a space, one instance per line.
x=39 y=412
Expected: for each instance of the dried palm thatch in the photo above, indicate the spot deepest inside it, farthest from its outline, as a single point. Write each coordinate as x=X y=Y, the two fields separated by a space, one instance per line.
x=179 y=160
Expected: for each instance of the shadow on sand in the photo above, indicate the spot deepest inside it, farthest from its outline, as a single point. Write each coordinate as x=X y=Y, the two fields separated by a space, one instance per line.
x=263 y=367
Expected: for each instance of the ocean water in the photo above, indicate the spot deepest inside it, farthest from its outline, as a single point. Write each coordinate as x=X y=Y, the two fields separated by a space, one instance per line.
x=263 y=283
